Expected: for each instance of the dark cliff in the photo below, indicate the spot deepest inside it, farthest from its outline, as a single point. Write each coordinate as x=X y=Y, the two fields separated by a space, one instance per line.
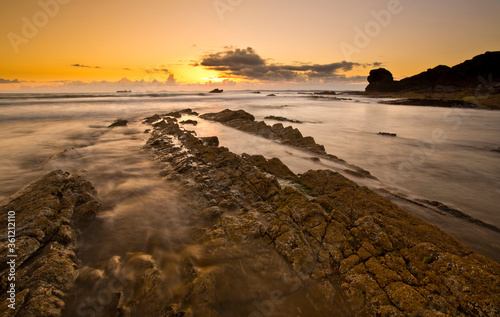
x=483 y=69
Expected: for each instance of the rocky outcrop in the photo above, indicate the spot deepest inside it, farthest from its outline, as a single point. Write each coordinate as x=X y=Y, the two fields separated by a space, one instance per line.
x=118 y=123
x=244 y=121
x=464 y=76
x=326 y=92
x=272 y=166
x=279 y=118
x=432 y=103
x=193 y=122
x=321 y=237
x=49 y=216
x=380 y=80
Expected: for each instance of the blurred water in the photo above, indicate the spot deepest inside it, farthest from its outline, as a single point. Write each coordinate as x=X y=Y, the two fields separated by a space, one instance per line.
x=439 y=154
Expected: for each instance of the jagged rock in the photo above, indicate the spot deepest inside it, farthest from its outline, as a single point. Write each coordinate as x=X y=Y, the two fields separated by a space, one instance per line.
x=50 y=215
x=174 y=114
x=118 y=123
x=211 y=140
x=345 y=244
x=279 y=118
x=152 y=119
x=228 y=115
x=189 y=112
x=244 y=121
x=273 y=166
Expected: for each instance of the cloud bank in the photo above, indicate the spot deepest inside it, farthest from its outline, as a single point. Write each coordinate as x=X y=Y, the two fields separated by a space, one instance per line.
x=84 y=66
x=8 y=81
x=247 y=64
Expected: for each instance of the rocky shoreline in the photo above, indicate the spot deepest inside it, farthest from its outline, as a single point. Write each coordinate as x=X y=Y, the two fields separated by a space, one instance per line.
x=335 y=236
x=471 y=84
x=245 y=122
x=270 y=242
x=50 y=215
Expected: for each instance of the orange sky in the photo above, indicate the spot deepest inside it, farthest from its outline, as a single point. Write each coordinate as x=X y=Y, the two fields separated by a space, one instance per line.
x=51 y=42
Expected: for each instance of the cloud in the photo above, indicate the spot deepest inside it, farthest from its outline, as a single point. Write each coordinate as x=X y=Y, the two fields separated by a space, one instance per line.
x=171 y=80
x=247 y=64
x=158 y=71
x=233 y=60
x=8 y=81
x=84 y=66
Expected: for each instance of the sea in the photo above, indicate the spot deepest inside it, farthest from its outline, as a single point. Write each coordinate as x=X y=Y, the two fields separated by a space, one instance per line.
x=446 y=155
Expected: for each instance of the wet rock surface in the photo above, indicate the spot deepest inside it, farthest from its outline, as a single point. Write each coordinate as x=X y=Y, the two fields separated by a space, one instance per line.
x=49 y=217
x=319 y=246
x=279 y=118
x=118 y=123
x=244 y=121
x=263 y=242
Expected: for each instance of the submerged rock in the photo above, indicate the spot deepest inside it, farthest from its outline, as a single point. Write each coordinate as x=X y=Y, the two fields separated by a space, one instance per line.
x=279 y=118
x=49 y=217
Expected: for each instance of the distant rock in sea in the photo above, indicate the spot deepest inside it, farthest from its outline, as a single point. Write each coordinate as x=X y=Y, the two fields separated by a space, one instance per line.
x=387 y=134
x=325 y=93
x=216 y=91
x=466 y=75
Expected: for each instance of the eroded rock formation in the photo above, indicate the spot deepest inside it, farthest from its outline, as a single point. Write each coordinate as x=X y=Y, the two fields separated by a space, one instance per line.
x=49 y=215
x=350 y=249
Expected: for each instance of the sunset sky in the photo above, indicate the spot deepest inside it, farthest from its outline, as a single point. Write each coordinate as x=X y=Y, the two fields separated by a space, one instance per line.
x=74 y=45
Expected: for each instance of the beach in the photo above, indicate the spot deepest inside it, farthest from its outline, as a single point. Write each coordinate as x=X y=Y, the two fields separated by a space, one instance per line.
x=440 y=167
